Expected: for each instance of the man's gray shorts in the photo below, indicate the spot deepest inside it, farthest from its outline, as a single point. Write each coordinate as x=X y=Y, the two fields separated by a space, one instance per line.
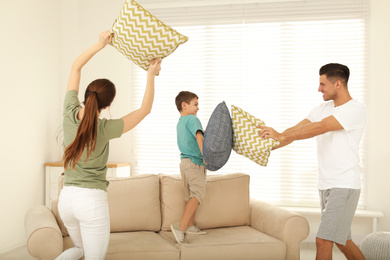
x=338 y=207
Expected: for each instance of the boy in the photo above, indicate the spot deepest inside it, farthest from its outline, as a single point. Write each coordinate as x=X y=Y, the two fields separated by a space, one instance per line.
x=192 y=166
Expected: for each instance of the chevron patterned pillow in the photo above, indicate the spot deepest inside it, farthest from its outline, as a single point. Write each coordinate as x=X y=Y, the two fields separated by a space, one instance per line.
x=141 y=37
x=246 y=139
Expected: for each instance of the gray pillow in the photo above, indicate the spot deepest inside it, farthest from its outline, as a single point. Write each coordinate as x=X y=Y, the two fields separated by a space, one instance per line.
x=218 y=138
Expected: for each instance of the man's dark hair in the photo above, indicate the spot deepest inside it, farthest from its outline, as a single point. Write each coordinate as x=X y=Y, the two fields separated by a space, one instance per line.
x=335 y=71
x=184 y=96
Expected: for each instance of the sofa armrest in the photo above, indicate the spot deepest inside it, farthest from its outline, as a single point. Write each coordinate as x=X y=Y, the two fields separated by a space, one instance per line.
x=44 y=238
x=280 y=223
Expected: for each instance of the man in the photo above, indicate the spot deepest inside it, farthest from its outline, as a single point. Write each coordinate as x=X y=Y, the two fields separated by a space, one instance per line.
x=338 y=126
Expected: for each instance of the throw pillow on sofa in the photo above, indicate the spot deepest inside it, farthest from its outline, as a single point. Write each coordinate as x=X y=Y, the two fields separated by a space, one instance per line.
x=141 y=37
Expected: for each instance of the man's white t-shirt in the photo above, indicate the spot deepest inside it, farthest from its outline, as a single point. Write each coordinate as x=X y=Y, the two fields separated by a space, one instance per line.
x=338 y=151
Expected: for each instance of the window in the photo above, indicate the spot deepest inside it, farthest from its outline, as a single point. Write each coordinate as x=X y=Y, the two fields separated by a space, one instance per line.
x=264 y=58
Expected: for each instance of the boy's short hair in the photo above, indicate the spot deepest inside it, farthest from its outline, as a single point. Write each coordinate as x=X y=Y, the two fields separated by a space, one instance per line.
x=335 y=71
x=184 y=96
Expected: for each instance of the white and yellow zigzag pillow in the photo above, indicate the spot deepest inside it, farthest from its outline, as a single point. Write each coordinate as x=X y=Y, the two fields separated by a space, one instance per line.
x=246 y=139
x=141 y=37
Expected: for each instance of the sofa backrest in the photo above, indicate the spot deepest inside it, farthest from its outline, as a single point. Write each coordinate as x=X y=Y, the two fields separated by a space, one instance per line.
x=134 y=204
x=226 y=201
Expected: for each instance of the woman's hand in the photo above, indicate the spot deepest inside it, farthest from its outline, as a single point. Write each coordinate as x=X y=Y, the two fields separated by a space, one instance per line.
x=75 y=73
x=105 y=38
x=154 y=67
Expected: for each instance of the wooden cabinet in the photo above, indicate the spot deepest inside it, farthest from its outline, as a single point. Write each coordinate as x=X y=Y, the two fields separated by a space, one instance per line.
x=53 y=171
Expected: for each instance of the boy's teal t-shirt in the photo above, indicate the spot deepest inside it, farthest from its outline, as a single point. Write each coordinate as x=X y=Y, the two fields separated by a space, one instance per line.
x=187 y=127
x=91 y=173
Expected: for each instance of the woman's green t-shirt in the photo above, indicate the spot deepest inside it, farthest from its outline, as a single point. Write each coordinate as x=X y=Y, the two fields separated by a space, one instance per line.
x=91 y=173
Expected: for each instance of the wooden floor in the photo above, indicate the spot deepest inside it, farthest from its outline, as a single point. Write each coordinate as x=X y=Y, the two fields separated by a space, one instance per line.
x=308 y=252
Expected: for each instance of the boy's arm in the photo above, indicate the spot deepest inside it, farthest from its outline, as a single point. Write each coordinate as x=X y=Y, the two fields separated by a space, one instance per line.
x=199 y=139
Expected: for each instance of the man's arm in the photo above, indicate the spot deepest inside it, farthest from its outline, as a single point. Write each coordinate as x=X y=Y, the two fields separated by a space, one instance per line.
x=284 y=143
x=303 y=130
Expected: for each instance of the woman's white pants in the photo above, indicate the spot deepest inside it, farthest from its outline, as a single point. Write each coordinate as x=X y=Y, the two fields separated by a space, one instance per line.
x=85 y=214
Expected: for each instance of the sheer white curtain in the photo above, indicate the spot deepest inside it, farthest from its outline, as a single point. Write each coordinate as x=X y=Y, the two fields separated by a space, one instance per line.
x=264 y=58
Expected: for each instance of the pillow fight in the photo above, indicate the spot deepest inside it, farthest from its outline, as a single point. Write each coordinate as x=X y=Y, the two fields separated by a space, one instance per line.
x=337 y=124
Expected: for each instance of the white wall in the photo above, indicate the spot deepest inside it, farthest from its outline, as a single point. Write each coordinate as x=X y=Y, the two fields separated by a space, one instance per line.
x=29 y=73
x=378 y=114
x=41 y=38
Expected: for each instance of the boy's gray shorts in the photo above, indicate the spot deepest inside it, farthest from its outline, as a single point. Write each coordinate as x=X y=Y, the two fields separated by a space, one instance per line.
x=338 y=208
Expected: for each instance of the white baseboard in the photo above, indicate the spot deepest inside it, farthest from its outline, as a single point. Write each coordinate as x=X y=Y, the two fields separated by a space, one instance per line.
x=7 y=248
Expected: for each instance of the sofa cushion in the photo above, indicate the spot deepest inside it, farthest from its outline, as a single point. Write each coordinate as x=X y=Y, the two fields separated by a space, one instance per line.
x=218 y=138
x=226 y=202
x=230 y=243
x=134 y=203
x=141 y=37
x=246 y=139
x=137 y=245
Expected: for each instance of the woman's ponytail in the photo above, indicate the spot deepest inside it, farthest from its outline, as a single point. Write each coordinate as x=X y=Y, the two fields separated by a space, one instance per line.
x=87 y=131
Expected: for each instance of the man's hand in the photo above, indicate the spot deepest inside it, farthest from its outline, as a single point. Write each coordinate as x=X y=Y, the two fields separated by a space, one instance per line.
x=268 y=132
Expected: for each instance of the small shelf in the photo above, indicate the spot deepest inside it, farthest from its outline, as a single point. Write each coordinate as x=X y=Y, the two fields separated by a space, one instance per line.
x=53 y=171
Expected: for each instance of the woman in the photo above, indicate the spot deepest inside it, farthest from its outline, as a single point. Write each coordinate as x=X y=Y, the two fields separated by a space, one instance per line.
x=83 y=200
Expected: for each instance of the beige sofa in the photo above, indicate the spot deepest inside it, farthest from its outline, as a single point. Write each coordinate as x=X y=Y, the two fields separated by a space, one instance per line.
x=143 y=207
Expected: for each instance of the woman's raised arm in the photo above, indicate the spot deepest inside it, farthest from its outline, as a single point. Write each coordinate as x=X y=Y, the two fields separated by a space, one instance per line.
x=75 y=73
x=134 y=118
